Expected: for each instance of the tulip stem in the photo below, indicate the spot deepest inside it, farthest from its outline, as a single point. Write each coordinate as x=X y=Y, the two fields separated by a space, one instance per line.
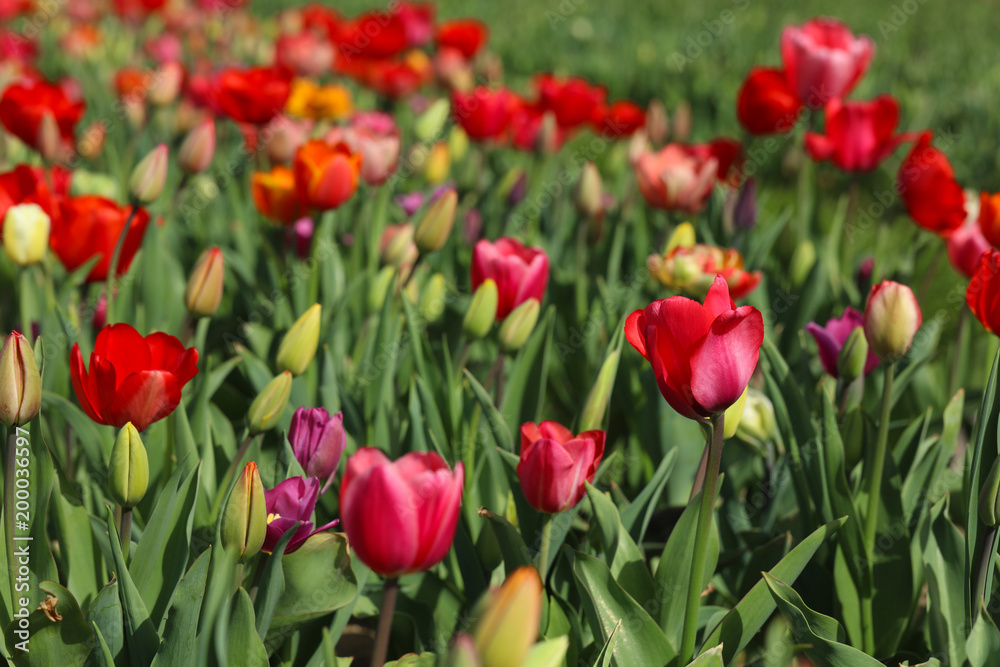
x=8 y=502
x=113 y=267
x=543 y=554
x=389 y=595
x=701 y=538
x=125 y=532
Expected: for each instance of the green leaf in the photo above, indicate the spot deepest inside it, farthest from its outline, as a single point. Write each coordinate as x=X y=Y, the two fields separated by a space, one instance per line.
x=820 y=625
x=524 y=389
x=272 y=582
x=414 y=660
x=644 y=505
x=628 y=565
x=105 y=613
x=497 y=424
x=244 y=646
x=941 y=547
x=710 y=658
x=604 y=657
x=983 y=644
x=984 y=453
x=547 y=653
x=608 y=606
x=64 y=643
x=81 y=553
x=515 y=551
x=141 y=639
x=179 y=629
x=100 y=656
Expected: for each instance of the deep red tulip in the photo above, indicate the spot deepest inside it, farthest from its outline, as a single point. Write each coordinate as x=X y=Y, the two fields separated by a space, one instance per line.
x=131 y=378
x=702 y=354
x=290 y=502
x=520 y=273
x=400 y=516
x=573 y=100
x=254 y=95
x=989 y=217
x=467 y=36
x=394 y=79
x=830 y=340
x=823 y=59
x=483 y=113
x=371 y=36
x=90 y=225
x=859 y=135
x=927 y=185
x=983 y=293
x=619 y=119
x=766 y=104
x=555 y=464
x=418 y=21
x=24 y=105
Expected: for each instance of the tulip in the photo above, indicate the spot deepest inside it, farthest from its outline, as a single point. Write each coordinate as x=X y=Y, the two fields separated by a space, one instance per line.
x=589 y=193
x=436 y=223
x=396 y=246
x=298 y=348
x=892 y=317
x=376 y=138
x=149 y=176
x=983 y=293
x=274 y=195
x=693 y=269
x=657 y=123
x=303 y=230
x=859 y=135
x=989 y=217
x=166 y=84
x=131 y=378
x=204 y=288
x=518 y=325
x=254 y=95
x=90 y=225
x=467 y=36
x=463 y=653
x=926 y=183
x=596 y=405
x=20 y=383
x=830 y=340
x=27 y=185
x=702 y=354
x=305 y=53
x=431 y=122
x=269 y=405
x=619 y=119
x=823 y=59
x=371 y=36
x=285 y=138
x=325 y=176
x=482 y=113
x=196 y=152
x=520 y=273
x=854 y=356
x=802 y=262
x=128 y=468
x=572 y=100
x=400 y=517
x=765 y=104
x=26 y=233
x=438 y=163
x=433 y=298
x=481 y=315
x=745 y=211
x=677 y=177
x=318 y=440
x=965 y=246
x=26 y=106
x=379 y=287
x=244 y=520
x=92 y=139
x=554 y=465
x=308 y=100
x=291 y=502
x=509 y=626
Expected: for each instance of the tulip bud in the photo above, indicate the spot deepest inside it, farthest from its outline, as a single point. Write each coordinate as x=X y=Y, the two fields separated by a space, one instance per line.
x=128 y=468
x=547 y=139
x=49 y=142
x=989 y=497
x=196 y=152
x=91 y=141
x=657 y=123
x=303 y=230
x=204 y=288
x=20 y=383
x=149 y=175
x=458 y=143
x=853 y=356
x=734 y=415
x=757 y=424
x=438 y=163
x=432 y=299
x=135 y=112
x=802 y=262
x=244 y=520
x=509 y=627
x=431 y=122
x=298 y=348
x=892 y=317
x=166 y=84
x=682 y=121
x=379 y=286
x=589 y=194
x=745 y=213
x=396 y=247
x=26 y=233
x=435 y=225
x=683 y=236
x=267 y=408
x=600 y=393
x=519 y=324
x=482 y=311
x=463 y=653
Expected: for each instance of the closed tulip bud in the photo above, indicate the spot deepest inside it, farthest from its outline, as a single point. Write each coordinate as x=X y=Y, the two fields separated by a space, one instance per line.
x=298 y=348
x=745 y=213
x=204 y=288
x=244 y=520
x=267 y=408
x=519 y=324
x=26 y=233
x=432 y=299
x=547 y=139
x=196 y=152
x=438 y=163
x=149 y=176
x=600 y=393
x=135 y=112
x=482 y=311
x=128 y=468
x=757 y=424
x=509 y=627
x=92 y=138
x=853 y=356
x=396 y=246
x=431 y=122
x=166 y=84
x=458 y=143
x=379 y=286
x=657 y=122
x=802 y=262
x=20 y=383
x=49 y=140
x=589 y=193
x=682 y=121
x=435 y=225
x=734 y=415
x=892 y=317
x=463 y=653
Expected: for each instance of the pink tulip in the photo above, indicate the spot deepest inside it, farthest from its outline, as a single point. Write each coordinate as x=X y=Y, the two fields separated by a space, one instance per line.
x=307 y=54
x=284 y=137
x=288 y=503
x=317 y=441
x=400 y=517
x=554 y=464
x=965 y=246
x=377 y=138
x=520 y=273
x=859 y=135
x=823 y=59
x=676 y=178
x=830 y=340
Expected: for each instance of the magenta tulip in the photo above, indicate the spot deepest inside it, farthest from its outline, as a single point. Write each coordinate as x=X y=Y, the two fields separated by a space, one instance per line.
x=317 y=441
x=520 y=273
x=831 y=338
x=555 y=464
x=288 y=503
x=823 y=59
x=859 y=135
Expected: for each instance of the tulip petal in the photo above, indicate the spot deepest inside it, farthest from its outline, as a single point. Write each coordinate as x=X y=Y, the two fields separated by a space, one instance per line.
x=144 y=398
x=124 y=348
x=439 y=495
x=681 y=403
x=78 y=375
x=635 y=332
x=362 y=461
x=723 y=364
x=379 y=514
x=829 y=347
x=555 y=431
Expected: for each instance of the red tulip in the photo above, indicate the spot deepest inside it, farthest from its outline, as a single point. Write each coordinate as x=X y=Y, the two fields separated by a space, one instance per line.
x=483 y=113
x=290 y=502
x=823 y=59
x=927 y=185
x=394 y=79
x=306 y=53
x=326 y=176
x=766 y=104
x=983 y=293
x=254 y=95
x=24 y=105
x=467 y=36
x=371 y=36
x=131 y=378
x=400 y=517
x=573 y=100
x=989 y=217
x=555 y=464
x=621 y=119
x=418 y=21
x=859 y=135
x=520 y=273
x=702 y=354
x=90 y=225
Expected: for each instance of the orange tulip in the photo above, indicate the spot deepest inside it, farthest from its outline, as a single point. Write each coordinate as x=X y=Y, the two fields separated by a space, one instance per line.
x=274 y=195
x=326 y=175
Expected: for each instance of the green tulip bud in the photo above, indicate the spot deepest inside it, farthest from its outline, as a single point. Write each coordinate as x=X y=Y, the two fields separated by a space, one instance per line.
x=802 y=262
x=244 y=520
x=431 y=122
x=588 y=195
x=379 y=287
x=128 y=468
x=149 y=175
x=519 y=324
x=482 y=311
x=463 y=653
x=458 y=143
x=853 y=356
x=432 y=299
x=298 y=347
x=600 y=393
x=267 y=408
x=436 y=223
x=20 y=383
x=757 y=424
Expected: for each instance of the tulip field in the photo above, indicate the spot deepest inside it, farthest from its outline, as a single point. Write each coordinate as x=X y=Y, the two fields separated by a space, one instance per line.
x=499 y=334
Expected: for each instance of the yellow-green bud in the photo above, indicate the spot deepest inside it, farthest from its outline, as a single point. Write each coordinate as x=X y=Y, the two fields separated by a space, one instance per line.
x=267 y=408
x=432 y=298
x=519 y=324
x=734 y=415
x=244 y=520
x=589 y=193
x=435 y=225
x=196 y=152
x=600 y=393
x=204 y=288
x=379 y=287
x=93 y=183
x=438 y=163
x=20 y=383
x=149 y=175
x=892 y=317
x=509 y=627
x=683 y=236
x=482 y=311
x=853 y=356
x=463 y=653
x=802 y=262
x=298 y=348
x=128 y=468
x=26 y=233
x=989 y=497
x=757 y=424
x=458 y=143
x=431 y=122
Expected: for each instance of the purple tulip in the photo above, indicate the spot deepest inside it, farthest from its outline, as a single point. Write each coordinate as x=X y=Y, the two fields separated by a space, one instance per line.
x=288 y=503
x=831 y=338
x=411 y=202
x=317 y=441
x=302 y=231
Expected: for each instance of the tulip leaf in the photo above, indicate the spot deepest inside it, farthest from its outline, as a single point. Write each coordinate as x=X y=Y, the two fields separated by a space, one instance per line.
x=100 y=655
x=983 y=643
x=141 y=639
x=105 y=614
x=941 y=547
x=607 y=605
x=607 y=651
x=547 y=653
x=644 y=505
x=710 y=658
x=244 y=647
x=628 y=565
x=431 y=415
x=65 y=642
x=984 y=452
x=515 y=552
x=497 y=424
x=89 y=435
x=414 y=660
x=741 y=624
x=524 y=391
x=272 y=582
x=179 y=628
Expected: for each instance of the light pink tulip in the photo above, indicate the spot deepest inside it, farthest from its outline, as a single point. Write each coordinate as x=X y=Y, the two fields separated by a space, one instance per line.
x=823 y=59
